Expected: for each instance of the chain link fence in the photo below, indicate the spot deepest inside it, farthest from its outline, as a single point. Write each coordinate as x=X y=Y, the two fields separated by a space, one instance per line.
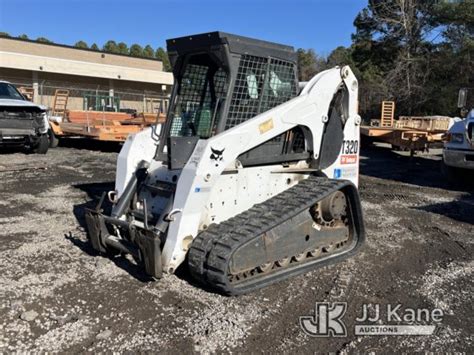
x=85 y=96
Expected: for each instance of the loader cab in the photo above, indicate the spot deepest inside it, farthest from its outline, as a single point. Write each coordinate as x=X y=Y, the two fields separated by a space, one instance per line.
x=221 y=80
x=202 y=85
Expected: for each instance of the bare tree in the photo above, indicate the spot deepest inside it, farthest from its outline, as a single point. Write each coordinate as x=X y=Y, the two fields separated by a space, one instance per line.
x=406 y=24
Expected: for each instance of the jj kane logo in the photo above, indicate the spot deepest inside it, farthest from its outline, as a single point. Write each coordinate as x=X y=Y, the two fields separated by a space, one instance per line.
x=327 y=320
x=374 y=320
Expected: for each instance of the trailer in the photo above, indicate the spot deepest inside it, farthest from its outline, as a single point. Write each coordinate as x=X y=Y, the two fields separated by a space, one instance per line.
x=100 y=125
x=407 y=133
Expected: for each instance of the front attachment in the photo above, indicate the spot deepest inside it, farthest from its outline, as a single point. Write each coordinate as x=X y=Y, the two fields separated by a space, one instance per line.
x=150 y=252
x=96 y=230
x=111 y=235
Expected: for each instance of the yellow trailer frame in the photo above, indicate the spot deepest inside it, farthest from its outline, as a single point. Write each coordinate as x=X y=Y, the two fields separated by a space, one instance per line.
x=407 y=133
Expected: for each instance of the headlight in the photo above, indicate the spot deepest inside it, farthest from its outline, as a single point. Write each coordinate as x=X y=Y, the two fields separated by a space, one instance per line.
x=457 y=138
x=44 y=123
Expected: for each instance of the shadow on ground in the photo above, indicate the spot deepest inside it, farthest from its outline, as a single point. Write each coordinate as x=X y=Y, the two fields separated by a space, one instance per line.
x=421 y=170
x=75 y=143
x=13 y=150
x=120 y=260
x=94 y=192
x=90 y=144
x=460 y=210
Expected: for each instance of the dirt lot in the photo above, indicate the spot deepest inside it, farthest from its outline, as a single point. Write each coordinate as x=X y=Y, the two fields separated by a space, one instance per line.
x=57 y=295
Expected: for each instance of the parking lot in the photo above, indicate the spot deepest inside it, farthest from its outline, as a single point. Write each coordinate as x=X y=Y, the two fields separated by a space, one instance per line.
x=57 y=295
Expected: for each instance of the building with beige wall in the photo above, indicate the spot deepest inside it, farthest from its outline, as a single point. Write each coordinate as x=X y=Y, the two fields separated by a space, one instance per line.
x=90 y=76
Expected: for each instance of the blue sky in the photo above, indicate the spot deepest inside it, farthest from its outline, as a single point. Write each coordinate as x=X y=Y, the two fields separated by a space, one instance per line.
x=319 y=24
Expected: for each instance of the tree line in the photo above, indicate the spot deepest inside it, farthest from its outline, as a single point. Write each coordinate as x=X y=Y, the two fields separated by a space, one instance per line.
x=418 y=53
x=135 y=50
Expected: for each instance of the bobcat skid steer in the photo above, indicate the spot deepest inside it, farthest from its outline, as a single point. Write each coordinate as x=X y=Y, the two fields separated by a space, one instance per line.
x=248 y=182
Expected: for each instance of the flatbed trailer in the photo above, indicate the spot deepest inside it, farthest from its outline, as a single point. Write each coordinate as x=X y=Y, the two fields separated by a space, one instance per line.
x=408 y=133
x=100 y=125
x=403 y=138
x=104 y=126
x=112 y=132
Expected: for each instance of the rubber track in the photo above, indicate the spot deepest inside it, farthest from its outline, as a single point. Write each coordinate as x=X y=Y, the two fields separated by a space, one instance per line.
x=212 y=249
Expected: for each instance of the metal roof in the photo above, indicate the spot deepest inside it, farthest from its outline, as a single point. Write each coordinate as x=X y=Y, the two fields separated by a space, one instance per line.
x=237 y=44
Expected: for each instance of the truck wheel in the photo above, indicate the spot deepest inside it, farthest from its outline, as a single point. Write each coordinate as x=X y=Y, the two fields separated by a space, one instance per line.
x=42 y=145
x=53 y=140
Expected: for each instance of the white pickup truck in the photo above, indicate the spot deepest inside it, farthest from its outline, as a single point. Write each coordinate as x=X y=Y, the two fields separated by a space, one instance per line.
x=458 y=152
x=458 y=149
x=22 y=123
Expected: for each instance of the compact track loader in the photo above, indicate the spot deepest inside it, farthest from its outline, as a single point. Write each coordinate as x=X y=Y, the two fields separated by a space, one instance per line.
x=249 y=181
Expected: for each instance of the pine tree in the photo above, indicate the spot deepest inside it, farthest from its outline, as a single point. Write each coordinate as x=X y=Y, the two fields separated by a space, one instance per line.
x=123 y=48
x=43 y=40
x=136 y=50
x=110 y=47
x=162 y=55
x=148 y=52
x=309 y=63
x=81 y=44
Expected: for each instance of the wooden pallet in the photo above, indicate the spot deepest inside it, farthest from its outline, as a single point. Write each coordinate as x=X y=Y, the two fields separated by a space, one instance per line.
x=428 y=123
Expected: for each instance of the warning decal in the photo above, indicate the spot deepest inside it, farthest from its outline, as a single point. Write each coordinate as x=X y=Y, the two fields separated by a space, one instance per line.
x=349 y=159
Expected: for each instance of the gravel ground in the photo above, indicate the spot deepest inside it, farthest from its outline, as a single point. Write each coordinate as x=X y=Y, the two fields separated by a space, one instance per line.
x=57 y=295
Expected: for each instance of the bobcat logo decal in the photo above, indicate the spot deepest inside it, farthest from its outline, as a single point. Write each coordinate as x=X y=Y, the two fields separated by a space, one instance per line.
x=216 y=154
